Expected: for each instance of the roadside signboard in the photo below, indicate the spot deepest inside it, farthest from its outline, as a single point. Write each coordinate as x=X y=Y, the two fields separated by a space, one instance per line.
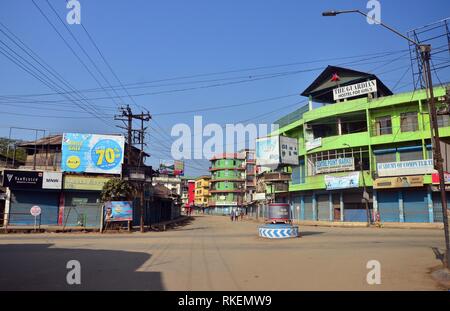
x=118 y=211
x=91 y=153
x=35 y=211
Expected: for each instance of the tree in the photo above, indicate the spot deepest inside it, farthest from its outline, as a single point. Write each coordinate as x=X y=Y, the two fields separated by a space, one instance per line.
x=117 y=190
x=20 y=153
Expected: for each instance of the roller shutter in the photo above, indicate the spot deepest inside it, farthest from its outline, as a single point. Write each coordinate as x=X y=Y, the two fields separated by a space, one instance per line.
x=308 y=208
x=323 y=205
x=415 y=206
x=388 y=206
x=22 y=201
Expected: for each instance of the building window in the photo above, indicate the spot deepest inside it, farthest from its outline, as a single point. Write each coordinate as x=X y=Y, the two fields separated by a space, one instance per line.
x=383 y=125
x=409 y=122
x=443 y=120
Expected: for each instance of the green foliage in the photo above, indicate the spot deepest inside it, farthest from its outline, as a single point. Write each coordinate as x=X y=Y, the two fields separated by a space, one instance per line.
x=117 y=190
x=21 y=154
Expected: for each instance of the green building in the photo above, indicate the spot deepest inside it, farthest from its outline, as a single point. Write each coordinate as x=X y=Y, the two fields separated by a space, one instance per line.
x=227 y=182
x=358 y=140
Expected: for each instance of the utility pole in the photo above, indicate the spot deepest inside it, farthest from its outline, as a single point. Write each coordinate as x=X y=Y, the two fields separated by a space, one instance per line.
x=425 y=54
x=135 y=137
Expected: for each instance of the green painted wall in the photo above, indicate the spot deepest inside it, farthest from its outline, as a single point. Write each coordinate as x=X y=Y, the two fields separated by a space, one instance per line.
x=392 y=106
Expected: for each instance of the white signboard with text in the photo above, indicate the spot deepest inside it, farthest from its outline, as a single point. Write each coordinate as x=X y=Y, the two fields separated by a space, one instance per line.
x=354 y=90
x=416 y=167
x=289 y=150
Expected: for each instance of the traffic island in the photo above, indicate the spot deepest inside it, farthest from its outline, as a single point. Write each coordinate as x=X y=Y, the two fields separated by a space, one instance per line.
x=279 y=224
x=278 y=231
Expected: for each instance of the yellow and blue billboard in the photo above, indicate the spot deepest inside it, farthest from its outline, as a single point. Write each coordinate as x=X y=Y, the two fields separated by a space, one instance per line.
x=91 y=153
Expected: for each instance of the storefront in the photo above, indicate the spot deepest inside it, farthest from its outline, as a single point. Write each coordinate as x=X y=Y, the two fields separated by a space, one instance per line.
x=81 y=204
x=401 y=194
x=32 y=188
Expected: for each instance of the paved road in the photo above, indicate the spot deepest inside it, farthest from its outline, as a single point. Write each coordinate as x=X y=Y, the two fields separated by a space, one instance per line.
x=211 y=253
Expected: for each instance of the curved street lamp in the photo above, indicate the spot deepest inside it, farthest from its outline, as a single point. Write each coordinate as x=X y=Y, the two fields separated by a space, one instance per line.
x=425 y=53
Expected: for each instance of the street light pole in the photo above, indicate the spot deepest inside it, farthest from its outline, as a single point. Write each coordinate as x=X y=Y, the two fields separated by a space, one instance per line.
x=425 y=53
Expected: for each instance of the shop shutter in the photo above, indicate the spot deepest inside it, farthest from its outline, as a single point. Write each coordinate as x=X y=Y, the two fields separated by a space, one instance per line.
x=296 y=206
x=415 y=206
x=22 y=201
x=82 y=209
x=388 y=206
x=437 y=207
x=308 y=208
x=323 y=206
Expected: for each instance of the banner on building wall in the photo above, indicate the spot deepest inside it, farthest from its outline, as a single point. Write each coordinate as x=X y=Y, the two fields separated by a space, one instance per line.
x=342 y=182
x=354 y=90
x=118 y=211
x=22 y=179
x=398 y=182
x=313 y=144
x=335 y=165
x=416 y=167
x=268 y=151
x=84 y=183
x=91 y=153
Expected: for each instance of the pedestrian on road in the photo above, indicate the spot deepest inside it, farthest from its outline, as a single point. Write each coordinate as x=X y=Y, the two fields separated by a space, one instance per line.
x=242 y=214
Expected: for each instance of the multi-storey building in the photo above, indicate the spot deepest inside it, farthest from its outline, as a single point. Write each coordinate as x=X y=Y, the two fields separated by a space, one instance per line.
x=188 y=191
x=202 y=191
x=227 y=182
x=364 y=148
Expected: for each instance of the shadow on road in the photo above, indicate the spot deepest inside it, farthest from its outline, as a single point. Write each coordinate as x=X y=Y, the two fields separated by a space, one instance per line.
x=307 y=233
x=439 y=255
x=40 y=267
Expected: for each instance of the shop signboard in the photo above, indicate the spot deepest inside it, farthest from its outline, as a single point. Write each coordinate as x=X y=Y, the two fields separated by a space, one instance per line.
x=435 y=178
x=415 y=167
x=72 y=182
x=313 y=144
x=259 y=196
x=335 y=165
x=15 y=179
x=398 y=182
x=354 y=90
x=268 y=151
x=118 y=211
x=91 y=153
x=342 y=182
x=52 y=180
x=225 y=203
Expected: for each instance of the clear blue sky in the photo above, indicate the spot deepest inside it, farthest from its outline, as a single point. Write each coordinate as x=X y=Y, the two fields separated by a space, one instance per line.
x=150 y=40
